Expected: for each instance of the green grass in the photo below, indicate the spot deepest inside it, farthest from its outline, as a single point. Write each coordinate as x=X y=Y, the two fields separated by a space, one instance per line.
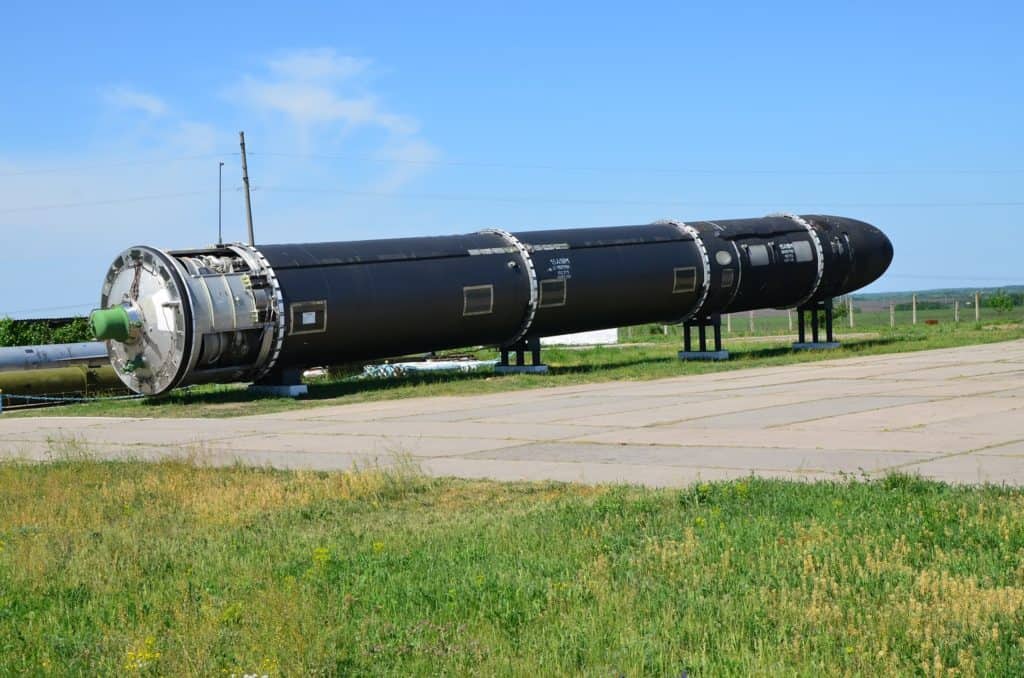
x=176 y=569
x=653 y=358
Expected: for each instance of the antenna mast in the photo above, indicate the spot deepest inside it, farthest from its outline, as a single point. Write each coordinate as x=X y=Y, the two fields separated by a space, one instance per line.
x=220 y=204
x=248 y=198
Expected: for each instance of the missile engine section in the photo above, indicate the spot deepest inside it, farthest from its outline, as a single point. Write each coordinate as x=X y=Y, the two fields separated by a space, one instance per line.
x=241 y=313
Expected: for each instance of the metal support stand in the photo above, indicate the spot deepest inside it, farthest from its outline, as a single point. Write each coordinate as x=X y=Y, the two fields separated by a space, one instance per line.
x=520 y=367
x=702 y=323
x=281 y=383
x=815 y=344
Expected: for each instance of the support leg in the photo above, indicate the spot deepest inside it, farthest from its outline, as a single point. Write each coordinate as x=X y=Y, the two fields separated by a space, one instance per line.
x=535 y=351
x=828 y=322
x=702 y=324
x=533 y=346
x=825 y=317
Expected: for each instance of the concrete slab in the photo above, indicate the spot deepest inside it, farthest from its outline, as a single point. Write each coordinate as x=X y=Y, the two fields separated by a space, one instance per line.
x=1014 y=449
x=955 y=414
x=652 y=476
x=690 y=411
x=571 y=412
x=687 y=435
x=417 y=446
x=814 y=410
x=465 y=429
x=743 y=458
x=915 y=415
x=972 y=468
x=1001 y=388
x=1007 y=424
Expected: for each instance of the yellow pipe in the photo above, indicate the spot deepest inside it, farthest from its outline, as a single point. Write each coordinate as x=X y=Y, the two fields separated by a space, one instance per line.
x=60 y=380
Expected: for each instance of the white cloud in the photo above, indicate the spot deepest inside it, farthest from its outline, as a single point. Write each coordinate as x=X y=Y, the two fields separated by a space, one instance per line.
x=124 y=97
x=317 y=64
x=308 y=104
x=195 y=137
x=411 y=157
x=316 y=87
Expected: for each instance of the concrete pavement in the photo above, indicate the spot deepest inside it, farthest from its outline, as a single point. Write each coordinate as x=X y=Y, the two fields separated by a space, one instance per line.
x=951 y=414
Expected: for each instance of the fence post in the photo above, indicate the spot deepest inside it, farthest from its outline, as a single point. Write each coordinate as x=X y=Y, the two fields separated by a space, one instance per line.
x=913 y=310
x=977 y=307
x=751 y=322
x=849 y=308
x=789 y=318
x=892 y=314
x=728 y=323
x=956 y=311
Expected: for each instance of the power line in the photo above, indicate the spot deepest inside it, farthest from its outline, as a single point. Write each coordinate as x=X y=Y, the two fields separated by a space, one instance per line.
x=520 y=199
x=109 y=201
x=612 y=201
x=649 y=170
x=528 y=166
x=107 y=165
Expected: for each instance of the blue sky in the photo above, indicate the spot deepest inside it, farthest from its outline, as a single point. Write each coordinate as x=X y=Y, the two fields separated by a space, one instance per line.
x=431 y=118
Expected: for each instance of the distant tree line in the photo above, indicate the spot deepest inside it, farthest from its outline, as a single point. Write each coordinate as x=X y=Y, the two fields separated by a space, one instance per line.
x=35 y=332
x=1003 y=301
x=1000 y=301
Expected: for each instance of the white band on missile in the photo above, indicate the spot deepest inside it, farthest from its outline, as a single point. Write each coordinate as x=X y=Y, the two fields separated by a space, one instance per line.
x=278 y=310
x=817 y=247
x=531 y=273
x=705 y=261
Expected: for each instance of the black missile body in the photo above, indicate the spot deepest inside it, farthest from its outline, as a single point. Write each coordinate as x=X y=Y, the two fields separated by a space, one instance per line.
x=237 y=312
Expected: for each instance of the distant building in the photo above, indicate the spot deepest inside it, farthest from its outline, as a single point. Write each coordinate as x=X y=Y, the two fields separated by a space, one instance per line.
x=592 y=338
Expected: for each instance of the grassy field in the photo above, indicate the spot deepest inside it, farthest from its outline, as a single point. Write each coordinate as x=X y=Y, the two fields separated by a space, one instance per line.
x=176 y=569
x=652 y=358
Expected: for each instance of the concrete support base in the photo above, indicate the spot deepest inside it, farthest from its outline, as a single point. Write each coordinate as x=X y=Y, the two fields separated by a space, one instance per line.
x=531 y=346
x=702 y=323
x=815 y=345
x=520 y=369
x=279 y=390
x=703 y=355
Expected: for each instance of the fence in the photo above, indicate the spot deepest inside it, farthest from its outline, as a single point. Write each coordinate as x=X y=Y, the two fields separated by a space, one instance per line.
x=868 y=315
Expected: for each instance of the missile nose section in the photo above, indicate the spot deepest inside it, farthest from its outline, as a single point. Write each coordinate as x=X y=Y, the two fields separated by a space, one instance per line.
x=857 y=253
x=870 y=252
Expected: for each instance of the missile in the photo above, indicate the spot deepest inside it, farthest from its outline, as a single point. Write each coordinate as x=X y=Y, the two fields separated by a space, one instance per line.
x=237 y=312
x=50 y=356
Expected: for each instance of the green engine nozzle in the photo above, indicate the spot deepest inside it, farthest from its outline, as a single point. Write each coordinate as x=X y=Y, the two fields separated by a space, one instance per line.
x=110 y=324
